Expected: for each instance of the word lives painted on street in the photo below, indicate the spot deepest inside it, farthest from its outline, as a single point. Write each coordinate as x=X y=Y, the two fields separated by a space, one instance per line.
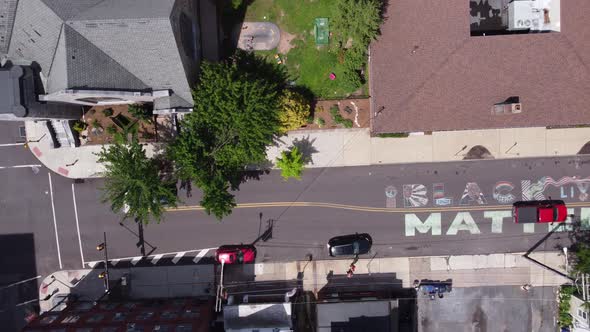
x=570 y=188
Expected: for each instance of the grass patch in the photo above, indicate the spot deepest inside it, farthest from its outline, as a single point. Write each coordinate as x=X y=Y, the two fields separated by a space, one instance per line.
x=308 y=65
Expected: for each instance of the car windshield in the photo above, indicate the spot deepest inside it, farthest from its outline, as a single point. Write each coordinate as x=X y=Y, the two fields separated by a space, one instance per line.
x=356 y=248
x=346 y=249
x=555 y=213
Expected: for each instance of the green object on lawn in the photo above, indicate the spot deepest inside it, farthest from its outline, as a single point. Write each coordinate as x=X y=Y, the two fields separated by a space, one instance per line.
x=322 y=31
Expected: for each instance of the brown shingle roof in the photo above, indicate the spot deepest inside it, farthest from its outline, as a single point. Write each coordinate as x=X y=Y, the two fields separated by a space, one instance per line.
x=453 y=79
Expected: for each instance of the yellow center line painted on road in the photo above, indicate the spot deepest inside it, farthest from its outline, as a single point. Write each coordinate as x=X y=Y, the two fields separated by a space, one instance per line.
x=367 y=208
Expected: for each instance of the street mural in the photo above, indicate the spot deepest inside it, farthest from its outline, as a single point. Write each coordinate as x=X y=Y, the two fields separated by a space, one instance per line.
x=501 y=193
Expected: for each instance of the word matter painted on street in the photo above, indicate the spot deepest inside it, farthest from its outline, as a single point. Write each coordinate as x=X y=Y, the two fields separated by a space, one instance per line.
x=492 y=222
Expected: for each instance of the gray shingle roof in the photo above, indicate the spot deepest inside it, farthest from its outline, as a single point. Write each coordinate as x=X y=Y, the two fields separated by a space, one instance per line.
x=68 y=9
x=89 y=66
x=127 y=9
x=104 y=44
x=7 y=15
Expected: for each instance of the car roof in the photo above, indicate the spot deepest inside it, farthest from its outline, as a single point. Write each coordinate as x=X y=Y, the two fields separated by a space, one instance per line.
x=347 y=239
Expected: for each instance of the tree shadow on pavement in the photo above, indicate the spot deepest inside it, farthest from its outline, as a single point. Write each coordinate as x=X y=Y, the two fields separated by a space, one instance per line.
x=305 y=146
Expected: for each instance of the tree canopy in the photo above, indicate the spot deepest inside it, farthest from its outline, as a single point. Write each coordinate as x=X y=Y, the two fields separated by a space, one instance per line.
x=236 y=116
x=133 y=182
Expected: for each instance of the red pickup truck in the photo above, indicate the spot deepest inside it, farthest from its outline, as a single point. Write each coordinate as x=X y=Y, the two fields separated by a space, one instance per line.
x=539 y=211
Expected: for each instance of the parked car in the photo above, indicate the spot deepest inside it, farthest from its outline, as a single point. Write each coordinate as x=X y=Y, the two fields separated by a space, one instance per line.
x=539 y=211
x=350 y=245
x=236 y=254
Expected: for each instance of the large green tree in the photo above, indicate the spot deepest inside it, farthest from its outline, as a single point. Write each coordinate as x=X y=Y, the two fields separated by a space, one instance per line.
x=236 y=116
x=133 y=183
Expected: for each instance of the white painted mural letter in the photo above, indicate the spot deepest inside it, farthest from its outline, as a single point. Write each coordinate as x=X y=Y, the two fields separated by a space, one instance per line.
x=463 y=222
x=497 y=219
x=432 y=223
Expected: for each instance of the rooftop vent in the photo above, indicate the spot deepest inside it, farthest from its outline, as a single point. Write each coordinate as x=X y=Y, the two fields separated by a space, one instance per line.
x=511 y=105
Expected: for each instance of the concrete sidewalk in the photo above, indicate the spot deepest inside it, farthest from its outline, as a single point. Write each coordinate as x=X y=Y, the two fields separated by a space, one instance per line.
x=199 y=280
x=464 y=270
x=356 y=147
x=351 y=147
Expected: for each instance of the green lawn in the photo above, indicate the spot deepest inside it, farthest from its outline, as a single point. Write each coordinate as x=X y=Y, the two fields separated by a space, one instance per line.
x=308 y=65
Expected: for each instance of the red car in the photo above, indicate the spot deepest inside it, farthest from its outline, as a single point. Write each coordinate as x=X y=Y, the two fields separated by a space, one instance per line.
x=235 y=254
x=539 y=211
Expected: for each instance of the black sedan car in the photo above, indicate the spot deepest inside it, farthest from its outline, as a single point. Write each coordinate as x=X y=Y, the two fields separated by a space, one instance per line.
x=350 y=245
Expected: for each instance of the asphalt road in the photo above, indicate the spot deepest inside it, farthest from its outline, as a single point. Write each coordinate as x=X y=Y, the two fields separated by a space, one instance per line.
x=410 y=210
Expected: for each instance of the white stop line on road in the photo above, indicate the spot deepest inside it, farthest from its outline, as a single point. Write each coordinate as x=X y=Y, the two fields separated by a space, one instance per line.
x=21 y=166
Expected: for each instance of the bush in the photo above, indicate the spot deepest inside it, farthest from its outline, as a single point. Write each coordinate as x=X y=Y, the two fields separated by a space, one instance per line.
x=291 y=164
x=112 y=130
x=320 y=122
x=565 y=295
x=79 y=126
x=295 y=109
x=335 y=113
x=386 y=135
x=140 y=112
x=107 y=112
x=347 y=123
x=96 y=123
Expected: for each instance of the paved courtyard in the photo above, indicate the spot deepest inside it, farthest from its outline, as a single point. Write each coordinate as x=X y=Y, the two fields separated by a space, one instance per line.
x=489 y=309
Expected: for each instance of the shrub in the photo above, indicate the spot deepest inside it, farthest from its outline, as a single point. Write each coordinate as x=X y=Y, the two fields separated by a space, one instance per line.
x=79 y=126
x=338 y=119
x=291 y=164
x=295 y=110
x=320 y=122
x=96 y=123
x=386 y=135
x=347 y=123
x=112 y=130
x=140 y=112
x=107 y=112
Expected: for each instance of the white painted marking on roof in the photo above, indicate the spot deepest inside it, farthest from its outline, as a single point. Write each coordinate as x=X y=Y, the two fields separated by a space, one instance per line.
x=114 y=261
x=135 y=260
x=200 y=255
x=92 y=264
x=178 y=257
x=157 y=258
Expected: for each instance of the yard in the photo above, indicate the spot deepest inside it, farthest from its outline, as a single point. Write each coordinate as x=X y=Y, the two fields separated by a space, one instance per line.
x=308 y=64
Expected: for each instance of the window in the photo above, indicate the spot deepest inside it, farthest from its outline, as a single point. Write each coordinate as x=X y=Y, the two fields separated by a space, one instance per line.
x=183 y=328
x=585 y=315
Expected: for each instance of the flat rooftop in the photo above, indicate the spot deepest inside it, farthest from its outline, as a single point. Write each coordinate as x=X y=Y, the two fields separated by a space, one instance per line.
x=428 y=73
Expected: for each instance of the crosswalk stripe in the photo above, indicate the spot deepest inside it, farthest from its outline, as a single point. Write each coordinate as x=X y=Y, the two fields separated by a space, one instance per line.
x=136 y=259
x=178 y=257
x=156 y=258
x=200 y=255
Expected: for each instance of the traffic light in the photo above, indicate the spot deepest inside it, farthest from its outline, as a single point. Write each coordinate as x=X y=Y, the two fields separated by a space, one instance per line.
x=100 y=247
x=102 y=275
